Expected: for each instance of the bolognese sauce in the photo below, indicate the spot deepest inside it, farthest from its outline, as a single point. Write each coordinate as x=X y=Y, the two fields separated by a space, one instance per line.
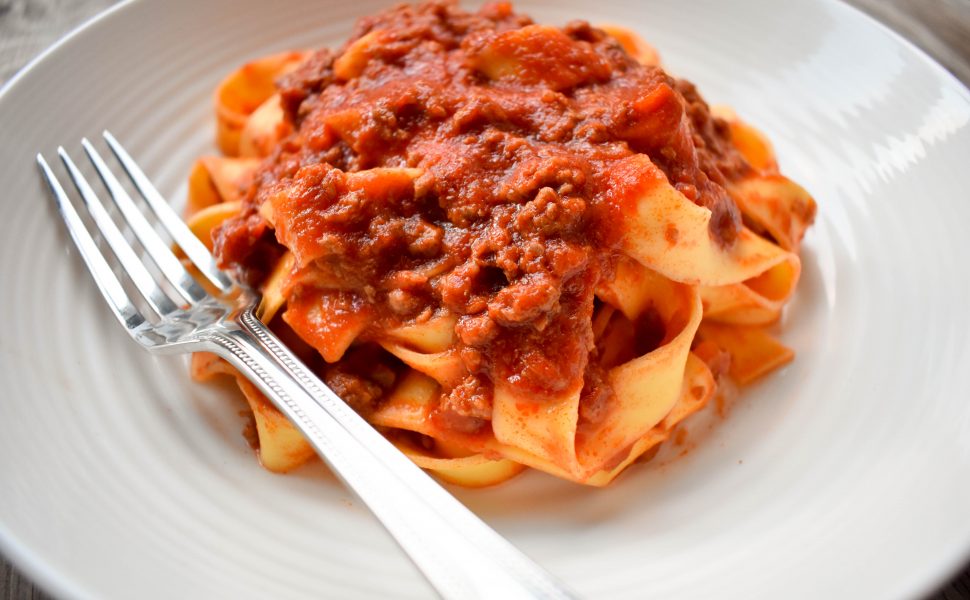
x=495 y=141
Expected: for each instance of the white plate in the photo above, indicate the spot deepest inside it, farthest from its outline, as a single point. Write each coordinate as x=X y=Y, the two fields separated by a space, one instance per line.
x=843 y=475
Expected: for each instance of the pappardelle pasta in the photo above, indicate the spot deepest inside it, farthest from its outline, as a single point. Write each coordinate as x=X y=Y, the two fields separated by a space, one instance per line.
x=505 y=244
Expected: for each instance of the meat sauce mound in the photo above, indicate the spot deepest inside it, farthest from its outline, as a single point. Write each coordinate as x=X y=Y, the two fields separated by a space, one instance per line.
x=508 y=217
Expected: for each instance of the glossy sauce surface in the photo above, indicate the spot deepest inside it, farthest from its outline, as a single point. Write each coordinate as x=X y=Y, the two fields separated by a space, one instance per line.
x=463 y=164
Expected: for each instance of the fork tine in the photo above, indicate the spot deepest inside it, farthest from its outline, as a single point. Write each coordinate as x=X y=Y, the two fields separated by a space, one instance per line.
x=157 y=250
x=108 y=283
x=130 y=262
x=179 y=231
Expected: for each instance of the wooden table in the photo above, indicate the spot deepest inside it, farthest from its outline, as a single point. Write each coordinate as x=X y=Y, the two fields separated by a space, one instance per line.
x=940 y=27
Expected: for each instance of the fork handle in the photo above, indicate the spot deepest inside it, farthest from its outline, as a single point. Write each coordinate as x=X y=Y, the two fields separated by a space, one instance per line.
x=459 y=554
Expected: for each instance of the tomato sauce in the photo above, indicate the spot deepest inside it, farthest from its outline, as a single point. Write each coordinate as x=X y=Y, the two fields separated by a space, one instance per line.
x=510 y=215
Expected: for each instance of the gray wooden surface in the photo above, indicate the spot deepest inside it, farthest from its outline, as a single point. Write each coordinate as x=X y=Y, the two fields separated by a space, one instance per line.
x=940 y=27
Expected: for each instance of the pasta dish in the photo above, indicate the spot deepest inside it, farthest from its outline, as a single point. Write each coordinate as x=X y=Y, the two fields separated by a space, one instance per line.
x=504 y=244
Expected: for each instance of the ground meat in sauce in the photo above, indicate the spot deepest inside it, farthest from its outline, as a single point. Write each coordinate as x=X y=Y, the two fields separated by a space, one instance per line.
x=361 y=378
x=512 y=220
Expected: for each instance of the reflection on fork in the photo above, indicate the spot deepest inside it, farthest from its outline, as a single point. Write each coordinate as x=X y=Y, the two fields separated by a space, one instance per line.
x=458 y=553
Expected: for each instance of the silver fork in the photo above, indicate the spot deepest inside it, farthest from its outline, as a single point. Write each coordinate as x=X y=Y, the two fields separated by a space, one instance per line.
x=459 y=554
